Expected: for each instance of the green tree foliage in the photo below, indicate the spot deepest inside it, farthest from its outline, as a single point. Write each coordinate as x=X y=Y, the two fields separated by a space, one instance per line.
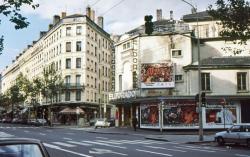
x=11 y=9
x=234 y=16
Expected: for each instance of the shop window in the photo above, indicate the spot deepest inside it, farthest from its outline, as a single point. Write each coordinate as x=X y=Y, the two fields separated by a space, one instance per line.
x=205 y=81
x=241 y=81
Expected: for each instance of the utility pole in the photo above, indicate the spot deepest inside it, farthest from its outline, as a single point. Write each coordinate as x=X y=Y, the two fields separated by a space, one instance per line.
x=201 y=134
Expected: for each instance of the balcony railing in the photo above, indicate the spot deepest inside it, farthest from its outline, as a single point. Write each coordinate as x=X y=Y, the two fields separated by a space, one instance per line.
x=73 y=86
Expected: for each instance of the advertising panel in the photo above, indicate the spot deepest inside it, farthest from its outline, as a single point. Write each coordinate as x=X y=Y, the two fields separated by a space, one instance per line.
x=149 y=115
x=180 y=115
x=157 y=75
x=216 y=114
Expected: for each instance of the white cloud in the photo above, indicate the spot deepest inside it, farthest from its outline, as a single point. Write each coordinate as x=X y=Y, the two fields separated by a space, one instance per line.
x=122 y=17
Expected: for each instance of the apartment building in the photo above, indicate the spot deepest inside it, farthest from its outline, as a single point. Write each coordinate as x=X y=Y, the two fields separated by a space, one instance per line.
x=157 y=76
x=80 y=50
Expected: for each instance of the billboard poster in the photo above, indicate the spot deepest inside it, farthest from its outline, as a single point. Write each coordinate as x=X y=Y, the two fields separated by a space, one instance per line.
x=150 y=115
x=159 y=75
x=219 y=115
x=181 y=115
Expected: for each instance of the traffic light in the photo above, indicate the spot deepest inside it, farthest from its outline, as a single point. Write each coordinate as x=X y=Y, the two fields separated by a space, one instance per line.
x=149 y=26
x=203 y=98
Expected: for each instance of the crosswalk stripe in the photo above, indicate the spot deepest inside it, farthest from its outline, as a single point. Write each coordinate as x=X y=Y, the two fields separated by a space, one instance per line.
x=65 y=150
x=104 y=144
x=146 y=151
x=64 y=144
x=175 y=150
x=79 y=143
x=201 y=150
x=3 y=134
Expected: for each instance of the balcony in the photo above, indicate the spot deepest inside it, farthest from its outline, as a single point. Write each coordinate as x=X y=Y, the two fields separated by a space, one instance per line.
x=76 y=86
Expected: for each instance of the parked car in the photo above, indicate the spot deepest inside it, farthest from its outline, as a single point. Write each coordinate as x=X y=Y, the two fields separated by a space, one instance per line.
x=37 y=122
x=111 y=121
x=6 y=120
x=92 y=121
x=15 y=120
x=239 y=134
x=102 y=123
x=20 y=147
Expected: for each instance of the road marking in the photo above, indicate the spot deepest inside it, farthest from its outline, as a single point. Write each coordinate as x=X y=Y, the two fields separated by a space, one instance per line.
x=70 y=133
x=42 y=134
x=64 y=144
x=49 y=130
x=65 y=150
x=3 y=134
x=65 y=138
x=79 y=143
x=104 y=144
x=26 y=131
x=105 y=151
x=201 y=150
x=242 y=155
x=175 y=150
x=111 y=142
x=146 y=151
x=210 y=148
x=102 y=138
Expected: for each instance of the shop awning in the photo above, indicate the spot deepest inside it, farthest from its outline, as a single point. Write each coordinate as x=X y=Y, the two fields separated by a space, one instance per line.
x=69 y=110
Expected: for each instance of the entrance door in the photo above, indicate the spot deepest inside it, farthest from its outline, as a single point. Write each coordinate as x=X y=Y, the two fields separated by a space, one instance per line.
x=245 y=110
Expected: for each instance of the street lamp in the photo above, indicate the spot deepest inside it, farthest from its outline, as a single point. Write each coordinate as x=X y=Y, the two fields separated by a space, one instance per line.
x=199 y=73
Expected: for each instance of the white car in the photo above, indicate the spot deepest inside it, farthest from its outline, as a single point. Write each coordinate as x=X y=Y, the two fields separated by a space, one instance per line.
x=239 y=134
x=102 y=123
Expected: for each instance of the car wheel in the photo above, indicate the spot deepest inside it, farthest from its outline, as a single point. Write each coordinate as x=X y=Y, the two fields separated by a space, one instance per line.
x=220 y=141
x=248 y=142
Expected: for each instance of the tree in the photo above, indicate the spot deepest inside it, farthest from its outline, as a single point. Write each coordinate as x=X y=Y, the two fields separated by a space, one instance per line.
x=11 y=9
x=234 y=16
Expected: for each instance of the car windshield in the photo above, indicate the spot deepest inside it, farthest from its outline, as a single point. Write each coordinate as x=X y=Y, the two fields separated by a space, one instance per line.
x=20 y=150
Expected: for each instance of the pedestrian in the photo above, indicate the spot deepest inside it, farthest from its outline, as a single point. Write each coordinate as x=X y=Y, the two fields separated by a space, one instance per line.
x=134 y=123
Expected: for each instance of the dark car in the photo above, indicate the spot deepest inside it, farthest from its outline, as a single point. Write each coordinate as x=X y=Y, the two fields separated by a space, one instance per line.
x=22 y=147
x=112 y=122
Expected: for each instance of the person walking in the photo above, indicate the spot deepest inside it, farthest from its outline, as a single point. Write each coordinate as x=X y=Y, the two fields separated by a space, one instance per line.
x=134 y=122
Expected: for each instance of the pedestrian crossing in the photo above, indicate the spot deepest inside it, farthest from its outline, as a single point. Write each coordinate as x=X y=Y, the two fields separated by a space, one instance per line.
x=18 y=127
x=5 y=135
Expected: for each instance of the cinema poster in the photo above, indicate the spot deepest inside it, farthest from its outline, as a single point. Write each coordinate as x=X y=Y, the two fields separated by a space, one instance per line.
x=150 y=115
x=180 y=115
x=159 y=75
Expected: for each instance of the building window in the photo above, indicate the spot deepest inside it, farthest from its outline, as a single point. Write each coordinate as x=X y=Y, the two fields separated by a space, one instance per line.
x=78 y=80
x=78 y=46
x=176 y=53
x=68 y=31
x=124 y=46
x=120 y=82
x=78 y=62
x=241 y=81
x=67 y=79
x=78 y=95
x=205 y=81
x=68 y=46
x=67 y=96
x=78 y=30
x=178 y=78
x=68 y=63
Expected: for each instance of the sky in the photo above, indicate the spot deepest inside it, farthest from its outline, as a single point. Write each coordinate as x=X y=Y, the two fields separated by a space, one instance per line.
x=120 y=16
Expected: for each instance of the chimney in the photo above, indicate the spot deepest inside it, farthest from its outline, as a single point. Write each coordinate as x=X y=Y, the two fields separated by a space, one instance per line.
x=100 y=21
x=171 y=15
x=88 y=12
x=93 y=15
x=159 y=14
x=56 y=19
x=63 y=15
x=42 y=33
x=50 y=26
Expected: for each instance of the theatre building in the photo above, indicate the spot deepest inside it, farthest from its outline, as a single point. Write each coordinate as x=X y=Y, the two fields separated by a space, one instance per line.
x=156 y=77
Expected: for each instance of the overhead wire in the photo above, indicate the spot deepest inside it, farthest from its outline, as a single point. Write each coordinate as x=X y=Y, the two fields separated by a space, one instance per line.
x=95 y=3
x=112 y=7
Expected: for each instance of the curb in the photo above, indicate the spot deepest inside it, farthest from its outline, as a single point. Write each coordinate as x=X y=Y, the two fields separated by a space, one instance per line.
x=196 y=142
x=113 y=133
x=157 y=139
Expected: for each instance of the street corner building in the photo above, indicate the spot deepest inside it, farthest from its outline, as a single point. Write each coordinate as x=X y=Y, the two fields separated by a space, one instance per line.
x=156 y=76
x=80 y=51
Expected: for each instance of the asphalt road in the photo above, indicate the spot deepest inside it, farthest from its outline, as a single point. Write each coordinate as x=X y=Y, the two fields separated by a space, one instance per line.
x=77 y=143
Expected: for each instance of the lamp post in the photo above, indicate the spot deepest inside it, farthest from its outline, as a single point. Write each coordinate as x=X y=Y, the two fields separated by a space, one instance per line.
x=199 y=73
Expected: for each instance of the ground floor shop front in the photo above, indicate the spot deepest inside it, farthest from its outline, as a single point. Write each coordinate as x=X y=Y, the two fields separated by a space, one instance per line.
x=167 y=113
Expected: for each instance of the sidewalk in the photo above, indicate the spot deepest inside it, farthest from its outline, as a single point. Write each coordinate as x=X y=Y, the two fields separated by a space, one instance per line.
x=168 y=136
